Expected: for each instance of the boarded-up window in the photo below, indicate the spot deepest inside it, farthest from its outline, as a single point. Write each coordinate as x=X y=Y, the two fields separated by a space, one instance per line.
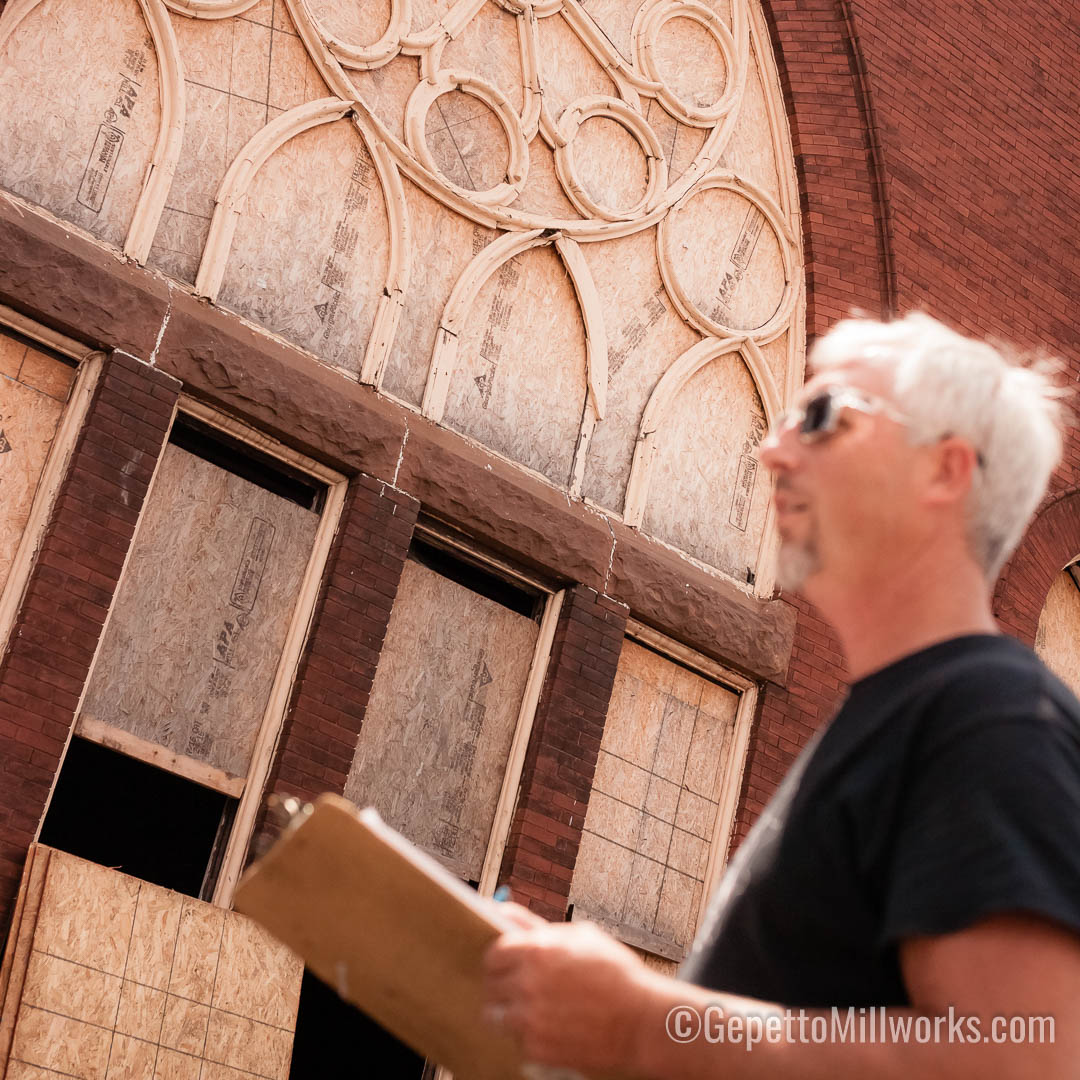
x=193 y=643
x=1057 y=640
x=442 y=715
x=33 y=389
x=652 y=814
x=114 y=977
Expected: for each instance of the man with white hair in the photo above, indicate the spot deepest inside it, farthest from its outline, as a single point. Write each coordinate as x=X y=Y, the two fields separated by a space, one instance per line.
x=923 y=853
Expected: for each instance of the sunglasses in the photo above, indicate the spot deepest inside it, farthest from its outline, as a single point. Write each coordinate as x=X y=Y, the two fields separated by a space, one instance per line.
x=819 y=417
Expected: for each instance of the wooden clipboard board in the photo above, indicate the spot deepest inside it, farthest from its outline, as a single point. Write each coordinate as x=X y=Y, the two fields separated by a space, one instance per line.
x=389 y=928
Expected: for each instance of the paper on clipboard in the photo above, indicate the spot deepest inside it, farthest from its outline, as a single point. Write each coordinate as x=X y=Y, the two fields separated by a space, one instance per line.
x=389 y=928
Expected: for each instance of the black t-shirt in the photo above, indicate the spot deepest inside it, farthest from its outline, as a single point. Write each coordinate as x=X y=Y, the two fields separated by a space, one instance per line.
x=946 y=789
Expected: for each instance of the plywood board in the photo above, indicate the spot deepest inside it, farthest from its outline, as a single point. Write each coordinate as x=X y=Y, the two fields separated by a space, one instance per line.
x=1057 y=640
x=125 y=979
x=543 y=193
x=727 y=257
x=519 y=383
x=690 y=63
x=708 y=495
x=386 y=89
x=444 y=705
x=355 y=24
x=645 y=336
x=610 y=163
x=33 y=390
x=239 y=73
x=663 y=758
x=310 y=252
x=193 y=642
x=489 y=47
x=389 y=929
x=81 y=112
x=443 y=244
x=466 y=141
x=680 y=142
x=751 y=152
x=568 y=70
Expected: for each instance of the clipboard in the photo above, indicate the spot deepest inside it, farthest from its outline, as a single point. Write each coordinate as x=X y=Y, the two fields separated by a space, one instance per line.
x=389 y=928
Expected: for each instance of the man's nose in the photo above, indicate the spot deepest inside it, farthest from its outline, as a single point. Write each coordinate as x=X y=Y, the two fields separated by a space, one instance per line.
x=779 y=450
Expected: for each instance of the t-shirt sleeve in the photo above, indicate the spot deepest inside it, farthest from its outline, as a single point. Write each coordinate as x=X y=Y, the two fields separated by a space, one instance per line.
x=990 y=824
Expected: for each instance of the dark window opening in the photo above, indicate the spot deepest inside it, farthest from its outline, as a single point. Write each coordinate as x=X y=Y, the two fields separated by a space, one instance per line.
x=335 y=1039
x=120 y=812
x=245 y=461
x=524 y=601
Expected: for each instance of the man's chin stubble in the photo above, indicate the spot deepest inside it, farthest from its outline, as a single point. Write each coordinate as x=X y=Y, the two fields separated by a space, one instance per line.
x=795 y=563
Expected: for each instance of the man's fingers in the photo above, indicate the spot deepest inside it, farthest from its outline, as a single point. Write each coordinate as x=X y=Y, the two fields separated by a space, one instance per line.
x=520 y=916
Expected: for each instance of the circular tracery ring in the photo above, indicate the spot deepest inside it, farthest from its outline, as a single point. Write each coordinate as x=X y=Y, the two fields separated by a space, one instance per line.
x=416 y=110
x=573 y=116
x=648 y=23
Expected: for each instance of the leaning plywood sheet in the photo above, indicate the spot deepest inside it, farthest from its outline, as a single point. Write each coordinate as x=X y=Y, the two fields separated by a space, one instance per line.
x=652 y=811
x=519 y=382
x=389 y=929
x=121 y=978
x=309 y=256
x=443 y=709
x=195 y=637
x=645 y=336
x=33 y=389
x=239 y=74
x=1057 y=639
x=80 y=111
x=708 y=495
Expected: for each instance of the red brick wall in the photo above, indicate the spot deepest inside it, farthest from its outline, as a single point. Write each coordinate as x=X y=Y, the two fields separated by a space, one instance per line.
x=538 y=863
x=335 y=673
x=68 y=595
x=935 y=146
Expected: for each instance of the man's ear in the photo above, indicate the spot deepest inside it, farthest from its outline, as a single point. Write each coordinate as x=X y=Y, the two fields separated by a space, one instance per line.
x=952 y=470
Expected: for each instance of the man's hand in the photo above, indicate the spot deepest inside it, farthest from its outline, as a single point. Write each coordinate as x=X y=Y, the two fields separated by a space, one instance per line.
x=570 y=994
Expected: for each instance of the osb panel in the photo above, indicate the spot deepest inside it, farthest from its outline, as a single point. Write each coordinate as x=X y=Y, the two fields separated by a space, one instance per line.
x=443 y=709
x=309 y=257
x=643 y=855
x=751 y=151
x=426 y=13
x=386 y=89
x=443 y=244
x=1057 y=639
x=80 y=112
x=238 y=74
x=466 y=141
x=715 y=507
x=777 y=357
x=615 y=18
x=680 y=142
x=543 y=192
x=519 y=382
x=568 y=70
x=193 y=642
x=611 y=163
x=727 y=258
x=346 y=20
x=690 y=63
x=489 y=47
x=645 y=336
x=223 y=993
x=33 y=389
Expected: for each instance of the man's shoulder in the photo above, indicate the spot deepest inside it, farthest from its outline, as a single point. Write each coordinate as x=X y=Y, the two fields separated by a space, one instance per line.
x=998 y=682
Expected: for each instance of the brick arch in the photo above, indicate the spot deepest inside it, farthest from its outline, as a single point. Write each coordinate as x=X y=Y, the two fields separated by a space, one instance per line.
x=838 y=158
x=1051 y=543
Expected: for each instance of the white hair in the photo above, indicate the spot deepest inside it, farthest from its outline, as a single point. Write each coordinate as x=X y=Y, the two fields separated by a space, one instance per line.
x=948 y=384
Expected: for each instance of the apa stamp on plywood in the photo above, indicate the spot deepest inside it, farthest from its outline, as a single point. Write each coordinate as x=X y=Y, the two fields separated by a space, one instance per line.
x=110 y=137
x=738 y=263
